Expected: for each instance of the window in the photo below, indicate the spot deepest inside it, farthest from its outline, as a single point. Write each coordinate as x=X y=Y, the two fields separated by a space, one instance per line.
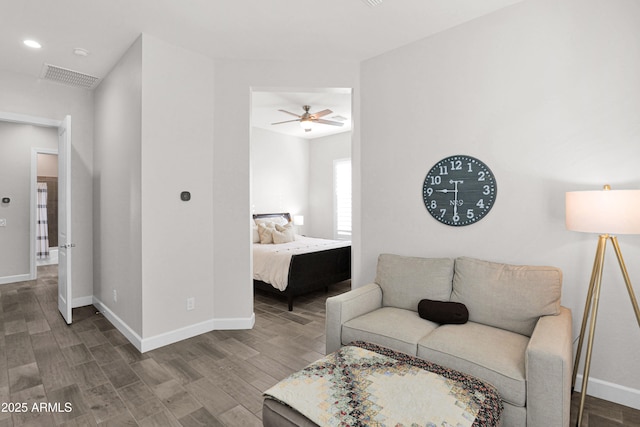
x=342 y=198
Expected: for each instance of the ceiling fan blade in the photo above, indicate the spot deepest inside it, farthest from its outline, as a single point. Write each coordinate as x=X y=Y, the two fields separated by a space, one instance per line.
x=328 y=122
x=286 y=121
x=289 y=112
x=321 y=113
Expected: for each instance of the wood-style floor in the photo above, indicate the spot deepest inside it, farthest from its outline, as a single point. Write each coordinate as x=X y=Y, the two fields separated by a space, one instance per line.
x=215 y=379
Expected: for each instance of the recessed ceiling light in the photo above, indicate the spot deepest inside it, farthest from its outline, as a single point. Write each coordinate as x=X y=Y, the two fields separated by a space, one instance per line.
x=80 y=51
x=32 y=43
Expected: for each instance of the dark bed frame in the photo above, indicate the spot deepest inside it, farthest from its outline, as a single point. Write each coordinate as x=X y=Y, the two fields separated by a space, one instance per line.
x=312 y=271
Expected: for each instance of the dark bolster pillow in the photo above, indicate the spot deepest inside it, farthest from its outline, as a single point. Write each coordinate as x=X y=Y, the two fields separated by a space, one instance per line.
x=443 y=312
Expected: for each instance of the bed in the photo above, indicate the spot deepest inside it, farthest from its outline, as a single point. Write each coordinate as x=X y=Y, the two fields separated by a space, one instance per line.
x=297 y=268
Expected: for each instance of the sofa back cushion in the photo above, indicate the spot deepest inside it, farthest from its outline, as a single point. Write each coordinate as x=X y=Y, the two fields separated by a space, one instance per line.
x=510 y=297
x=407 y=280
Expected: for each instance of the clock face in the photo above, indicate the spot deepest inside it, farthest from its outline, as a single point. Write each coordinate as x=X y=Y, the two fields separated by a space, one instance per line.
x=459 y=190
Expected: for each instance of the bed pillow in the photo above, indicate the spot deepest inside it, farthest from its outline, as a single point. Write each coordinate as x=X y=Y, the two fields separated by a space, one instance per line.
x=280 y=220
x=256 y=235
x=443 y=312
x=265 y=231
x=283 y=234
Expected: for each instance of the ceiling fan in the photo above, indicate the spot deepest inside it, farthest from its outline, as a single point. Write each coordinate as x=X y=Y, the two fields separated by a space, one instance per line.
x=307 y=120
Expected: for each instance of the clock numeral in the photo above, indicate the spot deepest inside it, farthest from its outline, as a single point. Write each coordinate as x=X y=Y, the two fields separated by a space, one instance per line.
x=481 y=176
x=444 y=170
x=442 y=212
x=470 y=214
x=470 y=167
x=429 y=191
x=436 y=180
x=433 y=204
x=455 y=217
x=480 y=204
x=456 y=165
x=487 y=190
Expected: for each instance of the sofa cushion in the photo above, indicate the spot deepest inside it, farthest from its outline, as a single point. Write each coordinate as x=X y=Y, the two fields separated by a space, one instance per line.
x=494 y=355
x=511 y=297
x=407 y=280
x=390 y=327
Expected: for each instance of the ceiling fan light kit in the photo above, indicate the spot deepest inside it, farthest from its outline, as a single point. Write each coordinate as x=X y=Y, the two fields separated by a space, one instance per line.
x=308 y=120
x=307 y=125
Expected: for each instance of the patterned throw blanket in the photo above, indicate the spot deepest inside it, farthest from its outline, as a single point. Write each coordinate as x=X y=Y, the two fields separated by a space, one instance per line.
x=367 y=385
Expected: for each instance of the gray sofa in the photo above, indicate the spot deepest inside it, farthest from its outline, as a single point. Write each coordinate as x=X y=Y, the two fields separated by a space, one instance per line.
x=518 y=336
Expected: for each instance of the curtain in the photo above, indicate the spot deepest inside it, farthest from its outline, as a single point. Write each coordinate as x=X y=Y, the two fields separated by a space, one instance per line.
x=42 y=224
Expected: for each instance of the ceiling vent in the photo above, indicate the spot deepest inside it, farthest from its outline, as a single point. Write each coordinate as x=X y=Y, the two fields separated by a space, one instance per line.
x=68 y=77
x=372 y=3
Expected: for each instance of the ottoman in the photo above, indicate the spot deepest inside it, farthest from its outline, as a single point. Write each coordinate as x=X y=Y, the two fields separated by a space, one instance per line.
x=365 y=384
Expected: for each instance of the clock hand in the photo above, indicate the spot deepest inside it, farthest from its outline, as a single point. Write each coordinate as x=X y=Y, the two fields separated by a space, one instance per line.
x=455 y=200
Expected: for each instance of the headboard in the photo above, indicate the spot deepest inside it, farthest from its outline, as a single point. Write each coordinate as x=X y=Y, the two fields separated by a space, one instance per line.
x=286 y=215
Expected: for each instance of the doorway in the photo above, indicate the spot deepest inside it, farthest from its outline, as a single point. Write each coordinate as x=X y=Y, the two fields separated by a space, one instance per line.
x=16 y=206
x=292 y=161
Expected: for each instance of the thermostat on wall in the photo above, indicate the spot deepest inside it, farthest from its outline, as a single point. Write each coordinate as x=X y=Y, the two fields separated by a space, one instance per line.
x=6 y=200
x=185 y=196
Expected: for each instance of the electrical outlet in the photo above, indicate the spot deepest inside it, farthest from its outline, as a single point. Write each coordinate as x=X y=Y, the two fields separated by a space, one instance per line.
x=191 y=303
x=3 y=222
x=115 y=295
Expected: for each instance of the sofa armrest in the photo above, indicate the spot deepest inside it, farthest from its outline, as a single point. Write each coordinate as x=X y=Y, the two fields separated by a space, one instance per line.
x=349 y=305
x=549 y=369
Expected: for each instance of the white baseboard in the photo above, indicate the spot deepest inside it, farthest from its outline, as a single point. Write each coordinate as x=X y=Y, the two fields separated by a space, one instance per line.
x=236 y=323
x=81 y=302
x=147 y=344
x=17 y=278
x=195 y=330
x=612 y=392
x=120 y=325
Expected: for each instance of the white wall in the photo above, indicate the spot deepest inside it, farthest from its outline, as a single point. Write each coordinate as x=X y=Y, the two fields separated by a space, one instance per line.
x=27 y=95
x=295 y=175
x=48 y=163
x=232 y=210
x=322 y=153
x=279 y=173
x=16 y=142
x=547 y=94
x=154 y=139
x=177 y=155
x=117 y=189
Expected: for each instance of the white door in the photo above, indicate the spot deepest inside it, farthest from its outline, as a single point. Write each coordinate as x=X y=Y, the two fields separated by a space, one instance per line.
x=65 y=245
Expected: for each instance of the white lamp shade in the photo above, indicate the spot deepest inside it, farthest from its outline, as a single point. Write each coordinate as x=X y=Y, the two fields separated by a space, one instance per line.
x=298 y=220
x=603 y=211
x=307 y=125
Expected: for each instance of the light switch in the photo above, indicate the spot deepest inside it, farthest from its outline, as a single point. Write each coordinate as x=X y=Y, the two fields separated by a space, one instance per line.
x=3 y=222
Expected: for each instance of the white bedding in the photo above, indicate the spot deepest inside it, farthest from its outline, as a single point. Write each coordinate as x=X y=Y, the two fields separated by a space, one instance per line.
x=271 y=262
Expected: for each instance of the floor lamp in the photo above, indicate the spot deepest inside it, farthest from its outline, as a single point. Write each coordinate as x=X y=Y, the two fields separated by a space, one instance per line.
x=606 y=212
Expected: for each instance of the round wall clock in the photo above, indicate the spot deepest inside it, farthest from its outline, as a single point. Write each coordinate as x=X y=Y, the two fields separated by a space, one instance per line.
x=459 y=190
